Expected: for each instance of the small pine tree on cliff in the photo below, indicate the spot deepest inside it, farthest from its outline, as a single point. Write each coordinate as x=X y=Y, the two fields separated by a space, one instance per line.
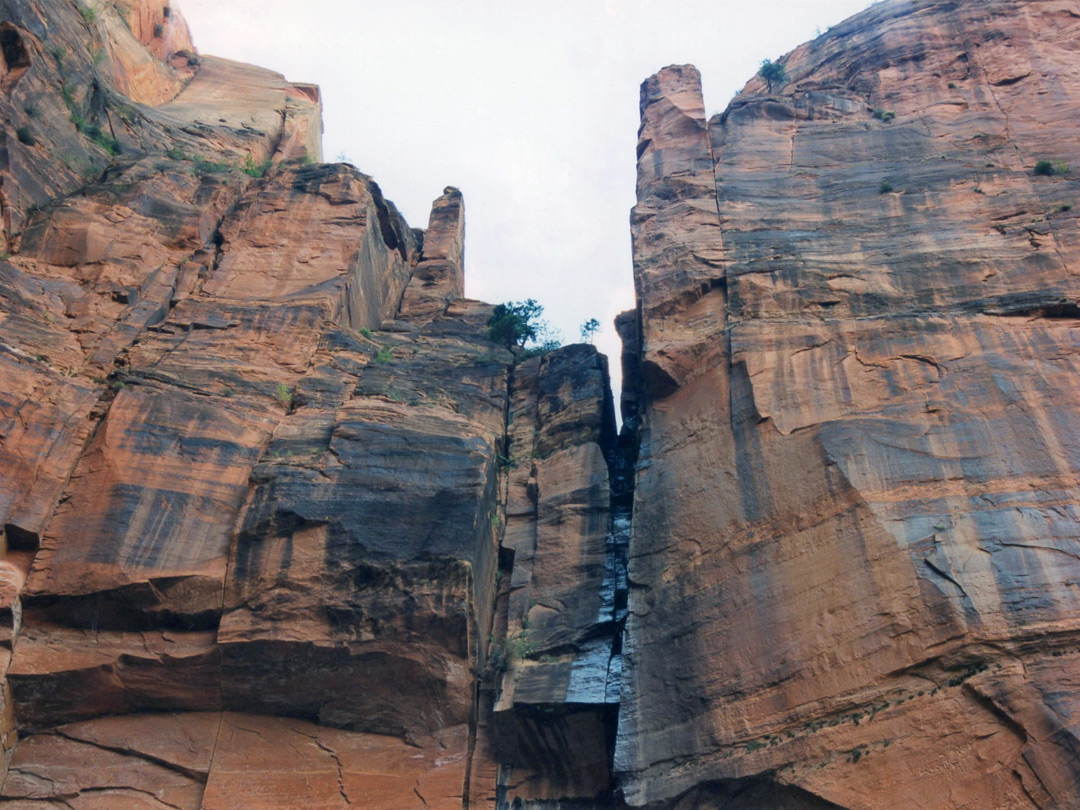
x=773 y=73
x=515 y=323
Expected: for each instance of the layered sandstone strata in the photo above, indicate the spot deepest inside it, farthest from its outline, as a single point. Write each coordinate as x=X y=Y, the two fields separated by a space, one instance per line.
x=254 y=459
x=855 y=524
x=282 y=527
x=557 y=662
x=81 y=84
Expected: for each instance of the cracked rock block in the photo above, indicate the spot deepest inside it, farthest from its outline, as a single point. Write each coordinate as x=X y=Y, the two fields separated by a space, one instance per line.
x=229 y=761
x=365 y=553
x=855 y=519
x=317 y=233
x=163 y=465
x=557 y=699
x=218 y=488
x=277 y=763
x=140 y=542
x=130 y=763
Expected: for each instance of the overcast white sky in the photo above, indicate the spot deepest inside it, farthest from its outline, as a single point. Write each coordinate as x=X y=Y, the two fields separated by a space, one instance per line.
x=530 y=107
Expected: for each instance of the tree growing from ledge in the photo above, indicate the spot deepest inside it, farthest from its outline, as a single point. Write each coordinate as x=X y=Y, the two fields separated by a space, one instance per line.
x=773 y=73
x=515 y=323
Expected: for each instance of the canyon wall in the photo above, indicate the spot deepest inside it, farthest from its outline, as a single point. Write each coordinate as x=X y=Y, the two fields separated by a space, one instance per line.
x=268 y=541
x=283 y=527
x=855 y=550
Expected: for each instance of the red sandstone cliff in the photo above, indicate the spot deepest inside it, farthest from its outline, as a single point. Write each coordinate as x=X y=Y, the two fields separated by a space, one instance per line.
x=283 y=528
x=856 y=509
x=254 y=457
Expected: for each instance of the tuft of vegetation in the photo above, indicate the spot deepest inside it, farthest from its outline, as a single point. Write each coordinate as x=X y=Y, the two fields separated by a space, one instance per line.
x=885 y=187
x=99 y=56
x=1061 y=209
x=885 y=116
x=384 y=355
x=539 y=350
x=970 y=672
x=510 y=652
x=952 y=85
x=517 y=324
x=57 y=54
x=89 y=14
x=67 y=92
x=365 y=332
x=589 y=330
x=175 y=153
x=514 y=323
x=204 y=167
x=773 y=73
x=1045 y=168
x=253 y=169
x=25 y=136
x=283 y=395
x=102 y=139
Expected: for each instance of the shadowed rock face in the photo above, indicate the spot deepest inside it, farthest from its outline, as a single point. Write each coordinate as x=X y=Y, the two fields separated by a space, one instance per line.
x=854 y=556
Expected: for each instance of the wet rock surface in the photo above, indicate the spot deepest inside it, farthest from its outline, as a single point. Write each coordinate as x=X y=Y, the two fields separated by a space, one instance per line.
x=556 y=664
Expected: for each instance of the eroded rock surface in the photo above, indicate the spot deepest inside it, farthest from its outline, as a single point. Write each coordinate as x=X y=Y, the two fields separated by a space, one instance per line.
x=282 y=527
x=254 y=440
x=557 y=660
x=854 y=557
x=81 y=84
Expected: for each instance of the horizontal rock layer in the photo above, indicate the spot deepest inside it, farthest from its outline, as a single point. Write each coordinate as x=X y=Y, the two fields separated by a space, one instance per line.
x=229 y=761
